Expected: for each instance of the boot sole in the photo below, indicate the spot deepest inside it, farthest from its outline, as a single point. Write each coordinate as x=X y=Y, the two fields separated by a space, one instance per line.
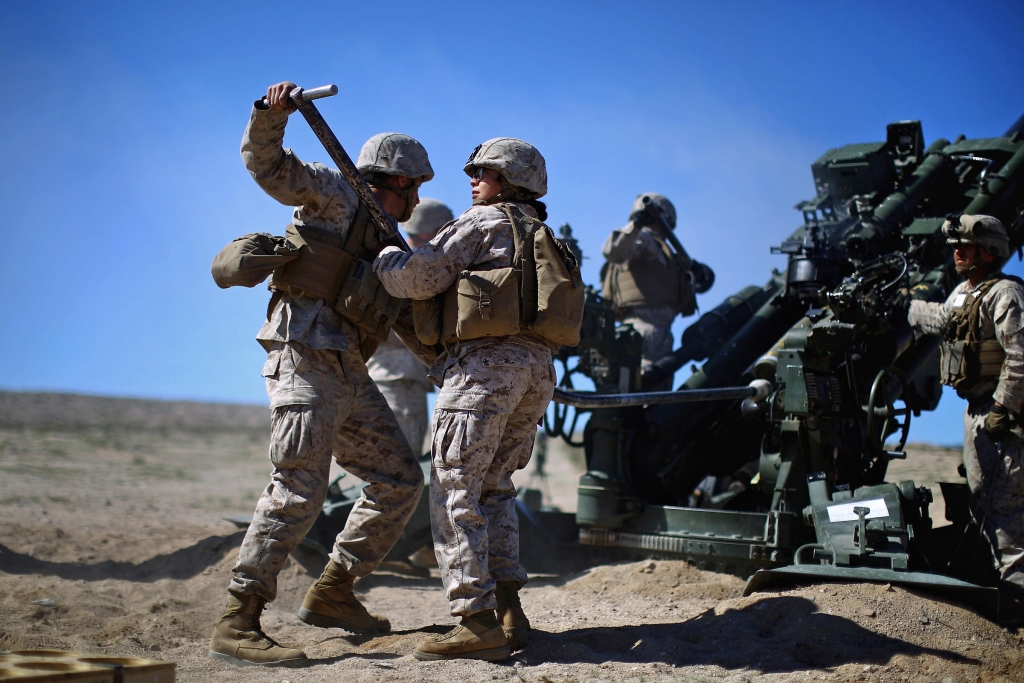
x=238 y=661
x=314 y=619
x=496 y=654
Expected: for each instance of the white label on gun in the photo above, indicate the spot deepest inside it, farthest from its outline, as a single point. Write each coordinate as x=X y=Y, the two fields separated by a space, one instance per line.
x=845 y=513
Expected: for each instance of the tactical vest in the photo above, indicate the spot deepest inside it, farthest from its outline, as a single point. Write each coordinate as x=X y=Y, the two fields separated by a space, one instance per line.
x=339 y=272
x=541 y=294
x=968 y=362
x=650 y=283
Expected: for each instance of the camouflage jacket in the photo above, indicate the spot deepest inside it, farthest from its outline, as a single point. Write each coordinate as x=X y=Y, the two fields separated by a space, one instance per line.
x=641 y=272
x=480 y=236
x=1001 y=318
x=322 y=199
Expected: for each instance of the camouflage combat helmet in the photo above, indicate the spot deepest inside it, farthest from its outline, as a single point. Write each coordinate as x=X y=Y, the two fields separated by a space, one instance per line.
x=395 y=154
x=428 y=217
x=984 y=231
x=518 y=162
x=661 y=201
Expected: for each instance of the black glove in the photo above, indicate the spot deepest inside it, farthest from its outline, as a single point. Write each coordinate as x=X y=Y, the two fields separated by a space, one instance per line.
x=997 y=422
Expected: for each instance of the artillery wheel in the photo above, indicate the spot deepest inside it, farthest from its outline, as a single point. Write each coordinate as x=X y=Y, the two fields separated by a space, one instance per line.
x=883 y=415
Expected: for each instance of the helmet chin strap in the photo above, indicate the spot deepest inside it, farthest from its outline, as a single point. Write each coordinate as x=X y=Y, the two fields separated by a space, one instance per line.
x=403 y=193
x=986 y=268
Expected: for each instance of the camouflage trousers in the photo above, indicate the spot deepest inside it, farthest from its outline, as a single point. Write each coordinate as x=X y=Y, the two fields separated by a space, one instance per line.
x=997 y=491
x=485 y=423
x=408 y=400
x=654 y=323
x=324 y=402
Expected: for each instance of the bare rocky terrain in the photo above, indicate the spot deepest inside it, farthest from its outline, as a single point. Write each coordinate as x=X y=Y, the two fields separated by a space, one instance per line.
x=115 y=509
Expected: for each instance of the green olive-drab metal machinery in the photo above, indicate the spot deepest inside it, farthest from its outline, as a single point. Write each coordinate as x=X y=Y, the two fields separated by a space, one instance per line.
x=745 y=484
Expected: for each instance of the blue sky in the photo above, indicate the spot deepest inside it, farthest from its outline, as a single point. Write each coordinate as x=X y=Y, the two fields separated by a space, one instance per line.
x=122 y=177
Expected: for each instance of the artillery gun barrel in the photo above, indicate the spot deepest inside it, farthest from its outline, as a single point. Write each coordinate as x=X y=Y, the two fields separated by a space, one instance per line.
x=898 y=204
x=709 y=332
x=995 y=187
x=758 y=389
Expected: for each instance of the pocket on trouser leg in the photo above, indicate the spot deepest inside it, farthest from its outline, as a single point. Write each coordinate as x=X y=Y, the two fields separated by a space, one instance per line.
x=298 y=440
x=449 y=439
x=292 y=379
x=272 y=364
x=526 y=451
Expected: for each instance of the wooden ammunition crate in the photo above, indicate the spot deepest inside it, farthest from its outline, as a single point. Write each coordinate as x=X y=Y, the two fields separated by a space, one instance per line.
x=51 y=670
x=46 y=666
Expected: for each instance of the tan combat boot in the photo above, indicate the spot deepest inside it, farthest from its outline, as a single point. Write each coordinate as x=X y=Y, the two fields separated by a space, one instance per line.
x=510 y=614
x=329 y=603
x=239 y=640
x=478 y=636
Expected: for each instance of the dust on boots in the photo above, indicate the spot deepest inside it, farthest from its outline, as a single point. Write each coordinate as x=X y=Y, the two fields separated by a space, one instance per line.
x=478 y=636
x=510 y=614
x=330 y=603
x=238 y=638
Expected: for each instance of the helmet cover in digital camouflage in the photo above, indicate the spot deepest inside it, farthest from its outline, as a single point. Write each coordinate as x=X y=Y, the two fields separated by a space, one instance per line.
x=428 y=217
x=395 y=154
x=985 y=231
x=520 y=163
x=659 y=200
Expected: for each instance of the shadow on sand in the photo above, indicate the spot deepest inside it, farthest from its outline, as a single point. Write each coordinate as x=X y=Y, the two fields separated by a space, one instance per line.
x=180 y=564
x=779 y=635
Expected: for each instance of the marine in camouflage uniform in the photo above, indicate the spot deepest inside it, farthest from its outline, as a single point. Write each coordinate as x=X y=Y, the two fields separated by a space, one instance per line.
x=642 y=279
x=397 y=372
x=494 y=390
x=993 y=438
x=323 y=403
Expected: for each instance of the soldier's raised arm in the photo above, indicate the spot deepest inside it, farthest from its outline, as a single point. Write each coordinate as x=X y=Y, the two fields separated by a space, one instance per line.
x=276 y=168
x=631 y=243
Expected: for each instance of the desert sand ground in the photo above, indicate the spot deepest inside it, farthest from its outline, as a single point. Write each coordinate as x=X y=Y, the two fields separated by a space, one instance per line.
x=114 y=509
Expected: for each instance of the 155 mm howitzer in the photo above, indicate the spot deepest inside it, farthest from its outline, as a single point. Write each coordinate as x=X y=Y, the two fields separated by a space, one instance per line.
x=747 y=483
